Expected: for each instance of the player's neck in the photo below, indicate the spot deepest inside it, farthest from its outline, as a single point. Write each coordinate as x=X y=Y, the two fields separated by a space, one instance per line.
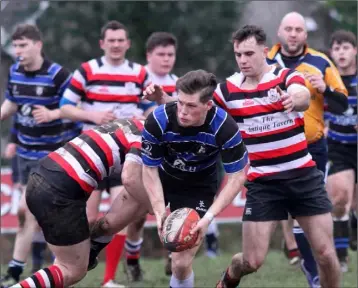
x=35 y=65
x=255 y=80
x=350 y=70
x=114 y=62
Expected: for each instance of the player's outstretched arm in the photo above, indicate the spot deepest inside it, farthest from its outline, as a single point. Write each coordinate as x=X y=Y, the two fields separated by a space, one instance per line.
x=229 y=192
x=226 y=196
x=154 y=188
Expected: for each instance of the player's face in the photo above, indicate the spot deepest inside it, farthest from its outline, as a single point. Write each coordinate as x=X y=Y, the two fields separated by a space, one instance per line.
x=27 y=51
x=292 y=34
x=161 y=60
x=343 y=54
x=115 y=44
x=191 y=112
x=250 y=57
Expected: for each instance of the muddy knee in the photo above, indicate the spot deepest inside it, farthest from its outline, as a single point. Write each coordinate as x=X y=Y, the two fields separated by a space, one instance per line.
x=241 y=266
x=99 y=228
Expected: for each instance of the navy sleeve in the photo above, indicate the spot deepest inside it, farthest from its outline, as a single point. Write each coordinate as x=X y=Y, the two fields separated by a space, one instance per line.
x=152 y=150
x=233 y=151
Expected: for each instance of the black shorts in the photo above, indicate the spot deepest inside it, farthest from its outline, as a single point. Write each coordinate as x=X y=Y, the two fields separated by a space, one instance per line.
x=273 y=200
x=109 y=182
x=342 y=157
x=25 y=166
x=63 y=220
x=198 y=195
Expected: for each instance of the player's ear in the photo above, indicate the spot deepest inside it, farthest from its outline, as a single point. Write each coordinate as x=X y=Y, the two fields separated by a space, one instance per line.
x=209 y=104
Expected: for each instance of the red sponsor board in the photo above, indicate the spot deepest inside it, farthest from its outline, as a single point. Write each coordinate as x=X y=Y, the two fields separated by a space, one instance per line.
x=10 y=201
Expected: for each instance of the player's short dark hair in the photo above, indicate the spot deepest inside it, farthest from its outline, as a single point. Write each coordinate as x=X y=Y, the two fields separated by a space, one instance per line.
x=249 y=31
x=341 y=36
x=198 y=80
x=160 y=39
x=27 y=31
x=113 y=25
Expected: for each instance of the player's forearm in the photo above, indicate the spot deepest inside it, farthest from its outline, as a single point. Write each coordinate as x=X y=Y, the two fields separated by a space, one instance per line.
x=74 y=113
x=167 y=99
x=55 y=114
x=229 y=192
x=301 y=100
x=337 y=101
x=8 y=108
x=154 y=188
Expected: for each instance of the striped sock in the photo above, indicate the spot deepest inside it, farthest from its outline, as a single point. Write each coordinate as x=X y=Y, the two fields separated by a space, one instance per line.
x=133 y=251
x=341 y=236
x=50 y=277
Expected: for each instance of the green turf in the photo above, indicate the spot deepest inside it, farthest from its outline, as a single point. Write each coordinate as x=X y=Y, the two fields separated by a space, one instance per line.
x=276 y=272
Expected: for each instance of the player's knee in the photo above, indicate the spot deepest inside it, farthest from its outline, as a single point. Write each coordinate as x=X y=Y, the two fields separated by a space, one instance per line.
x=325 y=253
x=181 y=264
x=339 y=204
x=245 y=265
x=78 y=274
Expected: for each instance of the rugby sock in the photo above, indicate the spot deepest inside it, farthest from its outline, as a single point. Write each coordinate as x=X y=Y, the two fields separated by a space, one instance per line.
x=113 y=255
x=211 y=242
x=133 y=251
x=228 y=281
x=50 y=277
x=353 y=219
x=293 y=253
x=38 y=248
x=96 y=247
x=187 y=283
x=15 y=269
x=341 y=236
x=309 y=263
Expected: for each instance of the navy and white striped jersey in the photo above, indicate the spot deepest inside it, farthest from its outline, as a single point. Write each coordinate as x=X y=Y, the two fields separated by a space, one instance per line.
x=341 y=127
x=192 y=152
x=42 y=87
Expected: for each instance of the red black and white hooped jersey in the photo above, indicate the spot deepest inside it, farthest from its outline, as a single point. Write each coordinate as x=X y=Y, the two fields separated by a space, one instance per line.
x=98 y=152
x=100 y=86
x=274 y=139
x=168 y=82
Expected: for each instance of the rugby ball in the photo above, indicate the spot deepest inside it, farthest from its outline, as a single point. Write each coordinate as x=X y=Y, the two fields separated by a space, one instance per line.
x=176 y=235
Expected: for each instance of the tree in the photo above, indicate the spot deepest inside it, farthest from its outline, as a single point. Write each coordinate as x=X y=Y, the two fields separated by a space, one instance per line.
x=71 y=31
x=344 y=14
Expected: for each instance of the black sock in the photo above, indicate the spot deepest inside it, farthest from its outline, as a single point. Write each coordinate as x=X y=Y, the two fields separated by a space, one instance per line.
x=353 y=219
x=38 y=249
x=132 y=262
x=211 y=242
x=228 y=281
x=96 y=248
x=15 y=269
x=341 y=239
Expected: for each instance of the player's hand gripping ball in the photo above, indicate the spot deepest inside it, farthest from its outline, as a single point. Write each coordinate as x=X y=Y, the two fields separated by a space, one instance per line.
x=176 y=235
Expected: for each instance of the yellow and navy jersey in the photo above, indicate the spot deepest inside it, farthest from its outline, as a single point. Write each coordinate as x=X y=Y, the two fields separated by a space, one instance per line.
x=317 y=63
